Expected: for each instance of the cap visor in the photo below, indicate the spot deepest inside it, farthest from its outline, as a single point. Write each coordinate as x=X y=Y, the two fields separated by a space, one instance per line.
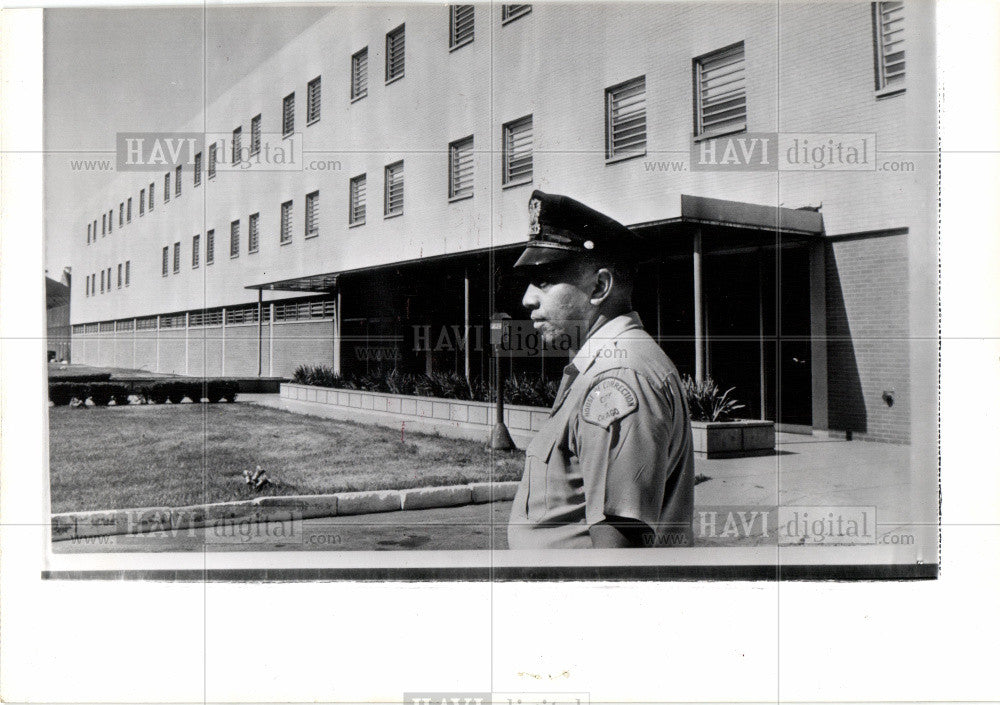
x=534 y=256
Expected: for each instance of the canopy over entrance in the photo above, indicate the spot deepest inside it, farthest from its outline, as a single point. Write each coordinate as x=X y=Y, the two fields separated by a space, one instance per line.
x=690 y=214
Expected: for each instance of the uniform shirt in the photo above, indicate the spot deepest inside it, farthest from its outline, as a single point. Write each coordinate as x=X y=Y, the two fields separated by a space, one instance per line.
x=617 y=444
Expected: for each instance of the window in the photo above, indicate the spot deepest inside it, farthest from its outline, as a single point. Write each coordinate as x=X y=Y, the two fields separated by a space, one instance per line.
x=312 y=214
x=195 y=247
x=177 y=257
x=462 y=26
x=88 y=233
x=166 y=187
x=120 y=275
x=111 y=220
x=288 y=115
x=359 y=189
x=286 y=222
x=177 y=180
x=210 y=247
x=142 y=201
x=128 y=272
x=86 y=284
x=95 y=229
x=313 y=95
x=720 y=96
x=517 y=158
x=237 y=146
x=197 y=169
x=359 y=74
x=460 y=168
x=509 y=13
x=213 y=156
x=109 y=279
x=625 y=119
x=395 y=53
x=394 y=189
x=253 y=233
x=166 y=260
x=890 y=57
x=255 y=135
x=121 y=215
x=151 y=196
x=104 y=222
x=234 y=239
x=102 y=281
x=128 y=210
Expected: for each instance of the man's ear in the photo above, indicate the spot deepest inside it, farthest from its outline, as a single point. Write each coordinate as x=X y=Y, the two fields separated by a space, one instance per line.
x=604 y=282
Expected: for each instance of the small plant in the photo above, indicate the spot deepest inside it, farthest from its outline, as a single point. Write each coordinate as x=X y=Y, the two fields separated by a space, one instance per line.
x=256 y=480
x=707 y=403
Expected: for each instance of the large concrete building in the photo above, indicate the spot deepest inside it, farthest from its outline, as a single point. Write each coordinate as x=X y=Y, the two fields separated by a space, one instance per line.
x=424 y=129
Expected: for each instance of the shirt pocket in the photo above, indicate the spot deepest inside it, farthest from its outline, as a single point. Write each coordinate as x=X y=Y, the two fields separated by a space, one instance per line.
x=537 y=457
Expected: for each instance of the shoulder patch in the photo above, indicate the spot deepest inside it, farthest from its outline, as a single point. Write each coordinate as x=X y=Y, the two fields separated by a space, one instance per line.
x=609 y=400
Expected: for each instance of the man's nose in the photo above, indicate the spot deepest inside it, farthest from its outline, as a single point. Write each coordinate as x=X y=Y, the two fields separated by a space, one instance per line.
x=530 y=298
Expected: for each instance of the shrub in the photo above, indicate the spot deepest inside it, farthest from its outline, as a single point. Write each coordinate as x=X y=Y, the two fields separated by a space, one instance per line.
x=397 y=382
x=524 y=389
x=155 y=393
x=214 y=391
x=63 y=393
x=101 y=393
x=444 y=385
x=706 y=402
x=229 y=388
x=318 y=375
x=120 y=394
x=530 y=391
x=79 y=377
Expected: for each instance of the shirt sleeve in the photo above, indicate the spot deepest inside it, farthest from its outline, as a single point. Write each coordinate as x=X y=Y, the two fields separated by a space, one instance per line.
x=625 y=464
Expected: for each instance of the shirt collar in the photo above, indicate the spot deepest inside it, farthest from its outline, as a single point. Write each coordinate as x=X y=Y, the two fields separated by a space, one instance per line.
x=603 y=337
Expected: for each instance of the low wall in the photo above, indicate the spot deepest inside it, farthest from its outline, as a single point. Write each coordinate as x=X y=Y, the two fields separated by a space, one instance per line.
x=473 y=420
x=732 y=439
x=452 y=418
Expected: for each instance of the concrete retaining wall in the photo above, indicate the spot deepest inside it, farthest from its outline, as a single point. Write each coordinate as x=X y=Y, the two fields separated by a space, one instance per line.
x=471 y=420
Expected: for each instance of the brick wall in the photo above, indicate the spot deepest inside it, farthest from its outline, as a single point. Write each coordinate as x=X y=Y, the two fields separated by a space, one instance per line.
x=867 y=294
x=305 y=343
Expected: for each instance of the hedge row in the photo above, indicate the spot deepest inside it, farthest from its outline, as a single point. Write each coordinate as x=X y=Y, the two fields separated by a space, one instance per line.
x=527 y=390
x=175 y=391
x=84 y=377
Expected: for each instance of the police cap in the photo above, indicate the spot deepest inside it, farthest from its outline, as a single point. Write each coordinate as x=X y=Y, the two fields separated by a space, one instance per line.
x=562 y=228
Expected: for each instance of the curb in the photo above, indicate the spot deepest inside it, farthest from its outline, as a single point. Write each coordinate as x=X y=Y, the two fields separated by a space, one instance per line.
x=109 y=522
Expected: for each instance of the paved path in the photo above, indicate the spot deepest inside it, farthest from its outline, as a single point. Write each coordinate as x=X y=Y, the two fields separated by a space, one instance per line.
x=467 y=527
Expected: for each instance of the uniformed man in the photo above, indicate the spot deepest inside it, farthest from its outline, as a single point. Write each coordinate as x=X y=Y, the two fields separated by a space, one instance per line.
x=613 y=465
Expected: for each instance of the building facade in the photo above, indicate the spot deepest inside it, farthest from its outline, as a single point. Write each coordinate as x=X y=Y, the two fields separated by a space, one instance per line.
x=420 y=133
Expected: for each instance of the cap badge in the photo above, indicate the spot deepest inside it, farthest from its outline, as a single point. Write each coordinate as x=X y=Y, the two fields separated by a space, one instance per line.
x=534 y=211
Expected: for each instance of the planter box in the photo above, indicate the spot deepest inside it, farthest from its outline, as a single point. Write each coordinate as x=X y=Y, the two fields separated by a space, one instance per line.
x=732 y=439
x=452 y=418
x=473 y=420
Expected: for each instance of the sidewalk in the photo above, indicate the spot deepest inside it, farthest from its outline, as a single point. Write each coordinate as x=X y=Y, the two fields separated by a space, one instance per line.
x=814 y=471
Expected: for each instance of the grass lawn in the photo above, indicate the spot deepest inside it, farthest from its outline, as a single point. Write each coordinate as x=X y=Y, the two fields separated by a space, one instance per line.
x=172 y=455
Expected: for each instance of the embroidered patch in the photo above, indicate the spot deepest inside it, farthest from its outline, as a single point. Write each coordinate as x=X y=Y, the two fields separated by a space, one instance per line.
x=609 y=400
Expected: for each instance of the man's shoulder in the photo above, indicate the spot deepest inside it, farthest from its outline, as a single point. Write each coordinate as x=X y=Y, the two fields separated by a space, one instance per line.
x=635 y=350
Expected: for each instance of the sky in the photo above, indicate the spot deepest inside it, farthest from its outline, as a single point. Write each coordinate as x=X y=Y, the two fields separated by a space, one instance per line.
x=133 y=70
